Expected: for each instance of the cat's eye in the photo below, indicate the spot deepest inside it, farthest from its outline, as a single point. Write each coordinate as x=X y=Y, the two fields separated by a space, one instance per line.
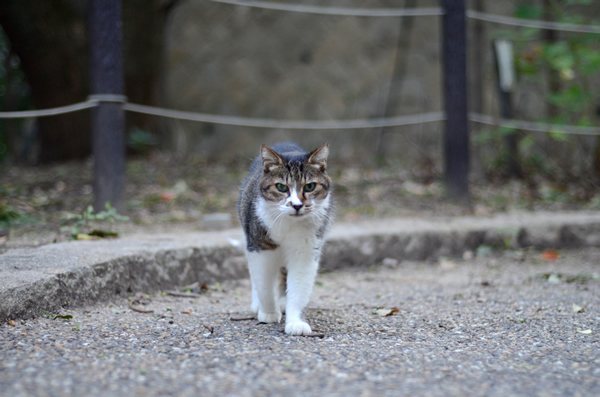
x=309 y=187
x=282 y=188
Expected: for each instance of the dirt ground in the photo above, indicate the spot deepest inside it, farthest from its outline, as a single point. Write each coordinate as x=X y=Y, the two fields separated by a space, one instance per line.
x=43 y=204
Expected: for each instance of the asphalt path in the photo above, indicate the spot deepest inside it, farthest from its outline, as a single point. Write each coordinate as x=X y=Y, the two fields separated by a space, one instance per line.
x=514 y=323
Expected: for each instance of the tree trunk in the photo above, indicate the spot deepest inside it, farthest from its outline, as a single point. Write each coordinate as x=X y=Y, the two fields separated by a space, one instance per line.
x=50 y=40
x=144 y=24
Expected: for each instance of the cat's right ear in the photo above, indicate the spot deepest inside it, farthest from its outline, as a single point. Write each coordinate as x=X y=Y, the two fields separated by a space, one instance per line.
x=270 y=159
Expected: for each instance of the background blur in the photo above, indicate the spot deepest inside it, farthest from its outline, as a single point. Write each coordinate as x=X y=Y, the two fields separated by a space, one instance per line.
x=223 y=59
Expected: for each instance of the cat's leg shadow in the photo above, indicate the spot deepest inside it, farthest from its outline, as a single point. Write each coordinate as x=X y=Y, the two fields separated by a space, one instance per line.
x=255 y=302
x=282 y=302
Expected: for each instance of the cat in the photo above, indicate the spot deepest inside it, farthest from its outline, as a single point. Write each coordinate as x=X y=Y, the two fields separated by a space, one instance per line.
x=285 y=209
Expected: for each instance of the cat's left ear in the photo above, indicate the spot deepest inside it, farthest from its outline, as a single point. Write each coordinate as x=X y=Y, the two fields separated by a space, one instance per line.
x=270 y=159
x=318 y=158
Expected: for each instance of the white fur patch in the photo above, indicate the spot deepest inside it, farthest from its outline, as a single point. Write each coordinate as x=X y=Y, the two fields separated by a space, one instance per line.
x=298 y=251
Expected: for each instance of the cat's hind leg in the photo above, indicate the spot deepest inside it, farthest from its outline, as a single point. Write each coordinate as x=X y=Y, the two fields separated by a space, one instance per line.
x=264 y=271
x=282 y=289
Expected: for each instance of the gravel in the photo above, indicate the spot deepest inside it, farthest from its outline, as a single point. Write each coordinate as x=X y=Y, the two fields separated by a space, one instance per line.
x=492 y=326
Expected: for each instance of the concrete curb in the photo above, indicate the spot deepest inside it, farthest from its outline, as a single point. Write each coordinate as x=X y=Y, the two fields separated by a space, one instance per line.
x=79 y=273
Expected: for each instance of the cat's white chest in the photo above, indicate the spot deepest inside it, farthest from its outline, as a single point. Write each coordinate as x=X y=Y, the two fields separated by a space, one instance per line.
x=287 y=230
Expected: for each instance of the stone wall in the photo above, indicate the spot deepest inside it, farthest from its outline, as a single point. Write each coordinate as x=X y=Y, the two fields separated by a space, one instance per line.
x=241 y=61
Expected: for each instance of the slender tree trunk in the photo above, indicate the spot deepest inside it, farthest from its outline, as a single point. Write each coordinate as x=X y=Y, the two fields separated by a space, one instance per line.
x=549 y=36
x=144 y=24
x=50 y=40
x=398 y=74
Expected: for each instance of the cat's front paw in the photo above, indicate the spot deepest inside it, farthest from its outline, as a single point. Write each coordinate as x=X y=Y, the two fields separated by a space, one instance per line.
x=254 y=307
x=297 y=328
x=269 y=317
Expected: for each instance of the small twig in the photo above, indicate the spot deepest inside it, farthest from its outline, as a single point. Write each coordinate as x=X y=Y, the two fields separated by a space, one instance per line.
x=135 y=299
x=315 y=335
x=139 y=310
x=183 y=294
x=209 y=327
x=241 y=318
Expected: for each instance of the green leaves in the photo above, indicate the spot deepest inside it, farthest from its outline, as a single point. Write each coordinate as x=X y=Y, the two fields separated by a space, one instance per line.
x=89 y=217
x=55 y=316
x=528 y=11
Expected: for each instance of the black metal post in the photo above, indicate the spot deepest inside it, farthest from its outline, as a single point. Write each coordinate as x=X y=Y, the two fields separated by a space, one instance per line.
x=108 y=119
x=456 y=139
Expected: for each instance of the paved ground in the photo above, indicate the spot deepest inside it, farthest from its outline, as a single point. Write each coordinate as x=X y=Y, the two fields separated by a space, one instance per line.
x=492 y=326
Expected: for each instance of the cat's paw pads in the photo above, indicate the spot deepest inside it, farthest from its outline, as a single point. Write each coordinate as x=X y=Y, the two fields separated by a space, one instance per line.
x=269 y=317
x=297 y=328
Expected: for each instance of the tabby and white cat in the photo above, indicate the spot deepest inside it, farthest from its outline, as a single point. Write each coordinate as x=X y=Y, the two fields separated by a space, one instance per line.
x=285 y=209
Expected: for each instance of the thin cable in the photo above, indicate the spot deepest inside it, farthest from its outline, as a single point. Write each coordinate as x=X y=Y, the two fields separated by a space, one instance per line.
x=49 y=112
x=287 y=124
x=531 y=126
x=304 y=124
x=338 y=11
x=566 y=27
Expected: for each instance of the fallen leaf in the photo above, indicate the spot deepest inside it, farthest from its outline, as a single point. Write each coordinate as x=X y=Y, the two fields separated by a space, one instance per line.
x=2 y=239
x=103 y=233
x=167 y=196
x=553 y=279
x=550 y=255
x=85 y=237
x=12 y=323
x=386 y=312
x=585 y=331
x=447 y=264
x=186 y=311
x=65 y=317
x=577 y=308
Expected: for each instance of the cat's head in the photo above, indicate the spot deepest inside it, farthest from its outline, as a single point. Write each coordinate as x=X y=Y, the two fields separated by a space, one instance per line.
x=295 y=183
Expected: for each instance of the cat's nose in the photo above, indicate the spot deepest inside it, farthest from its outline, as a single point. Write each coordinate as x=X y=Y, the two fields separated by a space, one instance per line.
x=297 y=206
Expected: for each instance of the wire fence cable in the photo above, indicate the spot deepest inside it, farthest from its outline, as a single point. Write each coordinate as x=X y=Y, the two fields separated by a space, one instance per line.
x=397 y=121
x=565 y=27
x=533 y=126
x=337 y=11
x=397 y=12
x=288 y=124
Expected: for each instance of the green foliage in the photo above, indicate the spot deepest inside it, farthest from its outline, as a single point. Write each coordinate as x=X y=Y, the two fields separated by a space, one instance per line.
x=141 y=140
x=88 y=217
x=10 y=216
x=56 y=316
x=574 y=57
x=14 y=91
x=574 y=60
